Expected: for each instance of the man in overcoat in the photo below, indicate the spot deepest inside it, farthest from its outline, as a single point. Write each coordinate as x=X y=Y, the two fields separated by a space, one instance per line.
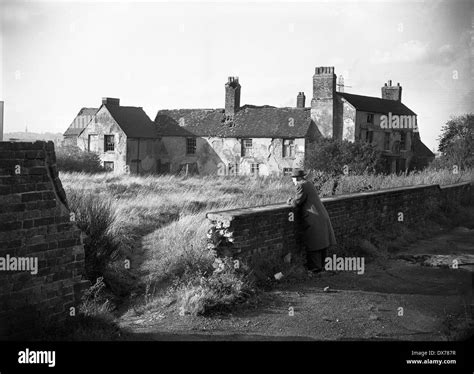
x=317 y=228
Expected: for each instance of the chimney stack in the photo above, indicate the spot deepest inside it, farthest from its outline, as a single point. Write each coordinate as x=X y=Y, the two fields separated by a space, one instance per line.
x=300 y=100
x=110 y=101
x=390 y=92
x=232 y=96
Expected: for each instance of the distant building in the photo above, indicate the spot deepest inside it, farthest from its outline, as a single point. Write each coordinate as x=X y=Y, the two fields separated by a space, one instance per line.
x=77 y=125
x=249 y=139
x=125 y=138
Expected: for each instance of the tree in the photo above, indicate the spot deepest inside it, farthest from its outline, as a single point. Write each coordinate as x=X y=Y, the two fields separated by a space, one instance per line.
x=456 y=142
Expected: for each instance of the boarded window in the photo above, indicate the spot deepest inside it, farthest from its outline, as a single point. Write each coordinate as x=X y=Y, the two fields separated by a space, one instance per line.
x=288 y=148
x=92 y=143
x=190 y=146
x=108 y=165
x=246 y=147
x=109 y=143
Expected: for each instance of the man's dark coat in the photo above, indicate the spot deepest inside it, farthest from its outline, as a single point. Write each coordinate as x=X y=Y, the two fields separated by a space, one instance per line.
x=318 y=231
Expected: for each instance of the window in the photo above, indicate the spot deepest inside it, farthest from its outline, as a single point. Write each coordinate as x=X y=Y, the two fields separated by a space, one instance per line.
x=108 y=165
x=370 y=118
x=109 y=143
x=246 y=147
x=288 y=148
x=403 y=140
x=93 y=143
x=234 y=169
x=386 y=141
x=190 y=146
x=254 y=169
x=287 y=171
x=369 y=136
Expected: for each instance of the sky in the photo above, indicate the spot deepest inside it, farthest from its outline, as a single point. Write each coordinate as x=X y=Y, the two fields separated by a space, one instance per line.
x=57 y=57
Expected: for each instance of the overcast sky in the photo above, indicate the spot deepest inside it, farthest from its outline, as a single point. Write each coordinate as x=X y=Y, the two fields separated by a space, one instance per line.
x=60 y=56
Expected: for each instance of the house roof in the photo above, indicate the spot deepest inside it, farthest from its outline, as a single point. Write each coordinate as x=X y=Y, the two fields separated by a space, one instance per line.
x=133 y=121
x=420 y=149
x=249 y=121
x=74 y=129
x=376 y=105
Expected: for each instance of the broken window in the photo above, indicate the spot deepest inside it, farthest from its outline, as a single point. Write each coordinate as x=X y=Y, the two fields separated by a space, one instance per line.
x=403 y=140
x=386 y=141
x=288 y=148
x=234 y=169
x=246 y=147
x=369 y=136
x=109 y=143
x=254 y=169
x=287 y=171
x=108 y=165
x=190 y=146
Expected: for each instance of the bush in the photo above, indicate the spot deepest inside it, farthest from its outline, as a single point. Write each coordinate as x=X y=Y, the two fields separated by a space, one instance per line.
x=72 y=158
x=219 y=291
x=95 y=216
x=332 y=156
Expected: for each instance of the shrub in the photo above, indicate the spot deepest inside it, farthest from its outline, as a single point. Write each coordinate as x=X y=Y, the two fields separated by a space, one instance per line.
x=332 y=156
x=219 y=291
x=72 y=158
x=95 y=216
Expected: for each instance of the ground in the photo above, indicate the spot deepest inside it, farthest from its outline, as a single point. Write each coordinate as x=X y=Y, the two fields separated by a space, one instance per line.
x=436 y=300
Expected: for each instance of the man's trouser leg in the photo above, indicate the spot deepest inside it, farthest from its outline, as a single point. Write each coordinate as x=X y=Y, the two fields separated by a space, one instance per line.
x=316 y=259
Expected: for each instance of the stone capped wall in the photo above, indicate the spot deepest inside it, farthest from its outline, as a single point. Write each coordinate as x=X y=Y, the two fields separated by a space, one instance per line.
x=275 y=229
x=35 y=224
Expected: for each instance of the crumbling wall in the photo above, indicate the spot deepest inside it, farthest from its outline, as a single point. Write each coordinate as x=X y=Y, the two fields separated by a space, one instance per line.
x=275 y=229
x=35 y=227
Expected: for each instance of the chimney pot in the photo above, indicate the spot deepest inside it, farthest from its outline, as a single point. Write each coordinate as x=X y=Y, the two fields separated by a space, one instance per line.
x=111 y=101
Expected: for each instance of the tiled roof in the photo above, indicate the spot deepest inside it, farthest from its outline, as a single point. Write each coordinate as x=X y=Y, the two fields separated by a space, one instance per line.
x=376 y=105
x=133 y=121
x=88 y=111
x=74 y=129
x=420 y=149
x=249 y=121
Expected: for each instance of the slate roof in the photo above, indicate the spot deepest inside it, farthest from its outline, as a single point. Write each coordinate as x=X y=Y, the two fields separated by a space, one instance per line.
x=133 y=121
x=420 y=149
x=73 y=130
x=376 y=105
x=250 y=121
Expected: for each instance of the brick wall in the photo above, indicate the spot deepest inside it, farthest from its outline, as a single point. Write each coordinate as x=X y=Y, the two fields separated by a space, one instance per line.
x=35 y=223
x=242 y=232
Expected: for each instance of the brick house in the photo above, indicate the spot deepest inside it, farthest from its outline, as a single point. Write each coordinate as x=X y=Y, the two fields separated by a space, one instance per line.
x=256 y=140
x=385 y=121
x=77 y=125
x=124 y=137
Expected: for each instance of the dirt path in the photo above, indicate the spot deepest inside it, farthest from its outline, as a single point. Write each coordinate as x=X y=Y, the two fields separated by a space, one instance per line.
x=436 y=301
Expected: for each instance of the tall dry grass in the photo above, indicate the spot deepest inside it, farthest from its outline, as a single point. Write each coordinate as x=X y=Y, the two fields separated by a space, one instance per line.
x=159 y=221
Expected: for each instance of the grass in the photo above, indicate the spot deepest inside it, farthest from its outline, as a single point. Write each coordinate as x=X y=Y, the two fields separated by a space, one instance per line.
x=158 y=225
